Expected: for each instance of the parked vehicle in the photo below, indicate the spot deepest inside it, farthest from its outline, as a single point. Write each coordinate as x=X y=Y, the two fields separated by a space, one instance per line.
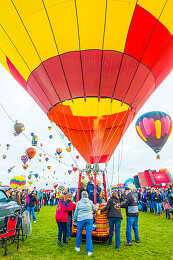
x=7 y=207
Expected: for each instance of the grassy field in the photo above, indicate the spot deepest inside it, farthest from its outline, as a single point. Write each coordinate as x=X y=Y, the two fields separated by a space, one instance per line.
x=156 y=234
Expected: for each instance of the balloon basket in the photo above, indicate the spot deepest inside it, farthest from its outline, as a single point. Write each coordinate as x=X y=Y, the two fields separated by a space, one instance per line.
x=100 y=231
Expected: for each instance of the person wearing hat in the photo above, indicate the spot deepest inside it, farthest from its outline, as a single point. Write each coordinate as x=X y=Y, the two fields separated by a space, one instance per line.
x=84 y=217
x=132 y=214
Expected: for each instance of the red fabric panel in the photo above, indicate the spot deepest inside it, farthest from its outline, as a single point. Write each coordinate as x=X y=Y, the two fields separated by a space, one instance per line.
x=110 y=67
x=148 y=178
x=72 y=67
x=18 y=77
x=126 y=74
x=142 y=180
x=160 y=177
x=91 y=63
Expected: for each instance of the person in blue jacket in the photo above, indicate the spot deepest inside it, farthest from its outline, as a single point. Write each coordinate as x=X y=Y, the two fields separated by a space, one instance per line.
x=90 y=190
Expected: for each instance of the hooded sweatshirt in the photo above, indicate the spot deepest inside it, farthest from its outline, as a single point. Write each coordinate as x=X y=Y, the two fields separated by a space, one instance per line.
x=113 y=207
x=84 y=210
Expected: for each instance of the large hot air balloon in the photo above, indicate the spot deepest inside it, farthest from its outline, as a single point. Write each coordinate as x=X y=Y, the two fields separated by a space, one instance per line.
x=90 y=65
x=30 y=152
x=154 y=128
x=18 y=181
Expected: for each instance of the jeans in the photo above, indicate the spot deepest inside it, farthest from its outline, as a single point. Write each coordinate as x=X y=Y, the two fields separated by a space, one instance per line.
x=155 y=206
x=159 y=208
x=144 y=207
x=31 y=209
x=88 y=224
x=132 y=222
x=117 y=223
x=62 y=228
x=167 y=213
x=51 y=202
x=69 y=225
x=149 y=204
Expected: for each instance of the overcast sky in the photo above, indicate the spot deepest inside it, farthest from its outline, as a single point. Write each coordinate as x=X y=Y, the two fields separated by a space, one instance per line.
x=136 y=155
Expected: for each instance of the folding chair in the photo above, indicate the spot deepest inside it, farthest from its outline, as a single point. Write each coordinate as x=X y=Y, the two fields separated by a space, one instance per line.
x=11 y=232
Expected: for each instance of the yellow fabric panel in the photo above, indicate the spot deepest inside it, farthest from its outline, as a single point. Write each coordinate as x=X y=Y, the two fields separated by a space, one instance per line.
x=170 y=132
x=36 y=22
x=155 y=8
x=119 y=15
x=13 y=55
x=64 y=24
x=91 y=17
x=12 y=25
x=78 y=109
x=158 y=128
x=3 y=60
x=140 y=133
x=167 y=16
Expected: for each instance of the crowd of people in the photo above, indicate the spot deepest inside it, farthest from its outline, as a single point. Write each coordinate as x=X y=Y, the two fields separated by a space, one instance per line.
x=151 y=200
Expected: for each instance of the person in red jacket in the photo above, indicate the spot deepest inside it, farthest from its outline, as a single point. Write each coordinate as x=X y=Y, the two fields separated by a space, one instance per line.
x=62 y=218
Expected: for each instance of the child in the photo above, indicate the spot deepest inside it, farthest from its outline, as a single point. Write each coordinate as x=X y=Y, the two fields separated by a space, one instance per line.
x=166 y=208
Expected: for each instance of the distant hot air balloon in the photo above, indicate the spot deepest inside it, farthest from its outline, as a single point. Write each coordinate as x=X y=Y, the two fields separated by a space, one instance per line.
x=49 y=167
x=69 y=171
x=18 y=181
x=0 y=183
x=68 y=149
x=34 y=140
x=9 y=170
x=74 y=169
x=32 y=134
x=55 y=185
x=46 y=159
x=61 y=188
x=40 y=154
x=41 y=144
x=49 y=127
x=30 y=152
x=4 y=156
x=58 y=151
x=19 y=127
x=60 y=156
x=92 y=67
x=24 y=158
x=25 y=166
x=30 y=181
x=8 y=146
x=154 y=128
x=50 y=136
x=77 y=156
x=36 y=175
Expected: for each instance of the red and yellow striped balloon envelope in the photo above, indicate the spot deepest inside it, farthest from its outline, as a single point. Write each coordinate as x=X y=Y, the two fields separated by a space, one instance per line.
x=89 y=64
x=154 y=128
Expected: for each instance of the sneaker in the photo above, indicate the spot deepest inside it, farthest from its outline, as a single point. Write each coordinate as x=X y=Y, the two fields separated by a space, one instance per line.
x=90 y=253
x=59 y=243
x=35 y=221
x=118 y=249
x=128 y=244
x=77 y=249
x=65 y=243
x=110 y=244
x=137 y=241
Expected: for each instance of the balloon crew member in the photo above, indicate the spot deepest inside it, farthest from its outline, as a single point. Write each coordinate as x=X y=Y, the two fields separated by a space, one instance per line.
x=114 y=217
x=31 y=205
x=132 y=214
x=69 y=223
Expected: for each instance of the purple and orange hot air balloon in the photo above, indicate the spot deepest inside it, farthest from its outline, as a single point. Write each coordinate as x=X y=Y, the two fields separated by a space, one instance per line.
x=30 y=152
x=154 y=128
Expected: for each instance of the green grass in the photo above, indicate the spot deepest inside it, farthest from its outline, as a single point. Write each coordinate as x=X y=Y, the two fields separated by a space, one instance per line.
x=156 y=234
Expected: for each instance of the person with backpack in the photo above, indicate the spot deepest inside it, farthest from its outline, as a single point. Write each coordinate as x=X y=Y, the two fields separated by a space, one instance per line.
x=31 y=205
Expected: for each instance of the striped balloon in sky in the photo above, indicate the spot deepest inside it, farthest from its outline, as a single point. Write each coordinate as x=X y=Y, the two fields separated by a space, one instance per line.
x=154 y=128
